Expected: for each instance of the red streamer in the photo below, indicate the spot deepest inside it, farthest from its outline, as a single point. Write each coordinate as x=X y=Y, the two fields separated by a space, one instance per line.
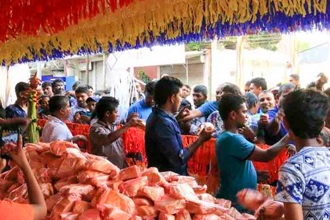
x=19 y=17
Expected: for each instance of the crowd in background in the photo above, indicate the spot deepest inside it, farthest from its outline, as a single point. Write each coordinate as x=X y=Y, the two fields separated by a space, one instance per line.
x=286 y=116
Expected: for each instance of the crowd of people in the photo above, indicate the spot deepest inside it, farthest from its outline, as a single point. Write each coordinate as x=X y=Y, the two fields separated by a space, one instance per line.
x=284 y=117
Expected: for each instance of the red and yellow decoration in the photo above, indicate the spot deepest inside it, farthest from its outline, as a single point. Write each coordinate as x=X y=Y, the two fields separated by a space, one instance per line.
x=41 y=30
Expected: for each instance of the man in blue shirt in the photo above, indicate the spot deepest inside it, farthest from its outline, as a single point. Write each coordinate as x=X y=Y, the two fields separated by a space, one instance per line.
x=81 y=106
x=208 y=108
x=19 y=109
x=275 y=129
x=235 y=154
x=163 y=137
x=143 y=108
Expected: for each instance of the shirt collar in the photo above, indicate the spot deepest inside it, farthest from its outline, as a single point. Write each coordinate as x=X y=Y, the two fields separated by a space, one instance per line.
x=57 y=120
x=163 y=113
x=104 y=124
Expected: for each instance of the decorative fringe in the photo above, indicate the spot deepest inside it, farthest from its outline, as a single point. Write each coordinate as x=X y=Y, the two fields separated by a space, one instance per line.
x=150 y=22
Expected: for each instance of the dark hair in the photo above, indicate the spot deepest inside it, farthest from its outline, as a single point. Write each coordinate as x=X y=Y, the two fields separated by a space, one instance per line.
x=42 y=97
x=295 y=76
x=231 y=88
x=82 y=89
x=105 y=104
x=229 y=103
x=260 y=82
x=251 y=100
x=166 y=87
x=150 y=87
x=46 y=84
x=248 y=83
x=78 y=84
x=201 y=89
x=57 y=102
x=21 y=87
x=186 y=85
x=305 y=112
x=90 y=87
x=57 y=81
x=286 y=86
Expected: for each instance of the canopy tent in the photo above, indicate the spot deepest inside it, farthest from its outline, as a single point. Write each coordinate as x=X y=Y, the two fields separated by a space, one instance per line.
x=41 y=30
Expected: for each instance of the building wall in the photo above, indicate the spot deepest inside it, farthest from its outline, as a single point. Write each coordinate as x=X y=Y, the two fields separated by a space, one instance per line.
x=195 y=73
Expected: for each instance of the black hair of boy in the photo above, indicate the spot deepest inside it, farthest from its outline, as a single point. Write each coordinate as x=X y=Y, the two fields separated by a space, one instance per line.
x=21 y=87
x=259 y=82
x=229 y=103
x=46 y=84
x=82 y=89
x=165 y=88
x=251 y=100
x=201 y=89
x=150 y=87
x=106 y=104
x=58 y=102
x=305 y=112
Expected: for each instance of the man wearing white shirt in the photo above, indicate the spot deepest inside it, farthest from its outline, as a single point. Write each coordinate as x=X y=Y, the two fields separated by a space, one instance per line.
x=56 y=129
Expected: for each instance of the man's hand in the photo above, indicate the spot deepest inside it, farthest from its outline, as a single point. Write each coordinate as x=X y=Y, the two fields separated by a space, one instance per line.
x=133 y=115
x=77 y=138
x=247 y=133
x=206 y=135
x=18 y=155
x=135 y=122
x=14 y=123
x=264 y=120
x=3 y=164
x=184 y=113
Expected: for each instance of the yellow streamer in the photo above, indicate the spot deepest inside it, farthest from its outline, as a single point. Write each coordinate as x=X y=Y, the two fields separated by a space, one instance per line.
x=157 y=16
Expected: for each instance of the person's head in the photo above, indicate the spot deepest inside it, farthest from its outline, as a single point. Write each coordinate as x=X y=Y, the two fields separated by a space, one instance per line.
x=305 y=112
x=285 y=90
x=258 y=85
x=77 y=84
x=107 y=109
x=199 y=95
x=294 y=79
x=44 y=102
x=321 y=80
x=227 y=88
x=232 y=109
x=252 y=102
x=20 y=89
x=138 y=87
x=58 y=87
x=81 y=96
x=90 y=90
x=168 y=93
x=266 y=101
x=47 y=89
x=91 y=103
x=149 y=93
x=247 y=86
x=186 y=90
x=59 y=106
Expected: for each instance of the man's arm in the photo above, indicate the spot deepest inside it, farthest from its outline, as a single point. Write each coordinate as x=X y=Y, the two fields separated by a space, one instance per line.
x=293 y=211
x=261 y=155
x=107 y=139
x=274 y=127
x=36 y=197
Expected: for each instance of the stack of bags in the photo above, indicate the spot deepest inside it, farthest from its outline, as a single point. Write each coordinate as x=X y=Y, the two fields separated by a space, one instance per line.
x=81 y=186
